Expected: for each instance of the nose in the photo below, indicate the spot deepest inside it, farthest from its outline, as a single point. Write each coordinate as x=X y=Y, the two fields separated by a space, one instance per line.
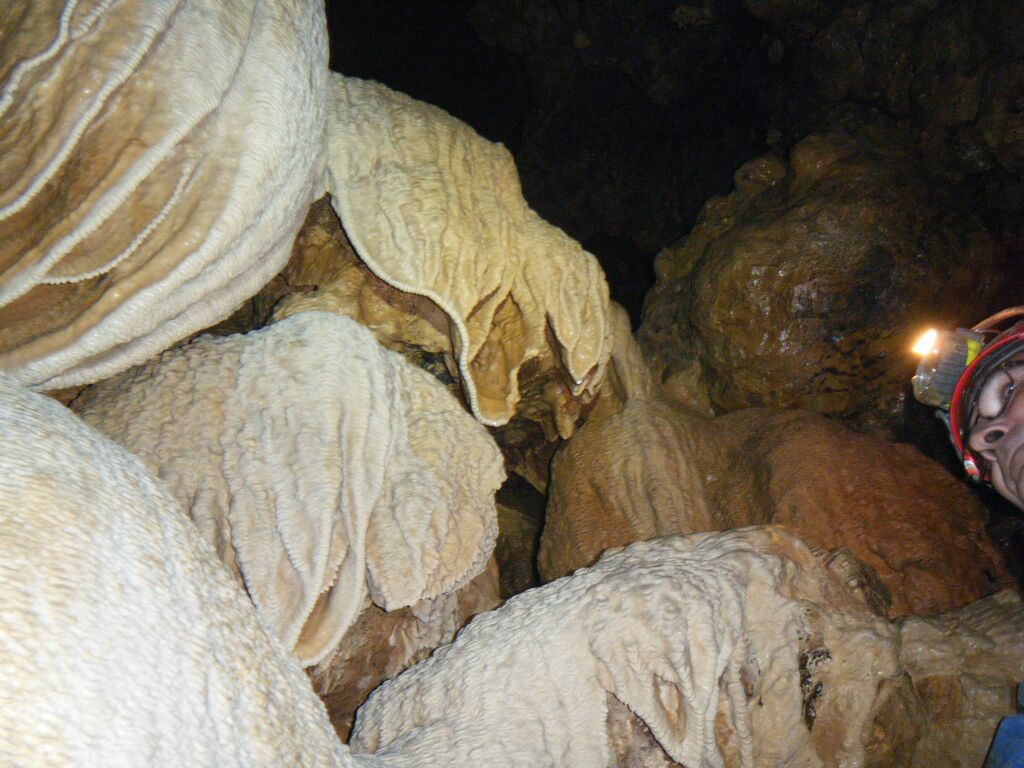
x=985 y=438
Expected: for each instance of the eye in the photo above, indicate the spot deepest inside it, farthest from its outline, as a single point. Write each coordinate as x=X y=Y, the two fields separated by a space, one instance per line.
x=995 y=394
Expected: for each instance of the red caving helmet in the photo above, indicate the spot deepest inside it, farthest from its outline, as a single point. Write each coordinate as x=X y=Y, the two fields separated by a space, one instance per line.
x=954 y=365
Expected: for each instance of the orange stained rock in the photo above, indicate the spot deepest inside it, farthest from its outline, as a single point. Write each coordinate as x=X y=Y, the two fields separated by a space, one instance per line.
x=655 y=469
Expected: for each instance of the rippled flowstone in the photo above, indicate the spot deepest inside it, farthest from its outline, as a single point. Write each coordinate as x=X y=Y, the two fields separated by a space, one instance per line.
x=962 y=668
x=805 y=287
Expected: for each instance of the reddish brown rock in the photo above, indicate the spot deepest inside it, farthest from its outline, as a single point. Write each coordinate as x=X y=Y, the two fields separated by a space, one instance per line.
x=654 y=470
x=381 y=644
x=806 y=286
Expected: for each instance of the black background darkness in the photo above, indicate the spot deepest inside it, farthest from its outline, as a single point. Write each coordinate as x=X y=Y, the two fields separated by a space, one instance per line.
x=691 y=143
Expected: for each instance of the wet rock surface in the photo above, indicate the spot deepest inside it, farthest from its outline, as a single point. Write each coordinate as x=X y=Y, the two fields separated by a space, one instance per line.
x=655 y=470
x=805 y=287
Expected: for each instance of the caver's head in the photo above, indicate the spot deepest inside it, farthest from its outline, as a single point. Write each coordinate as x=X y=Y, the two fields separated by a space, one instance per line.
x=977 y=376
x=996 y=431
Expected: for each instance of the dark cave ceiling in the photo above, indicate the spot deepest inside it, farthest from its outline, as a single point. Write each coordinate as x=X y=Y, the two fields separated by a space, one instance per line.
x=626 y=116
x=614 y=145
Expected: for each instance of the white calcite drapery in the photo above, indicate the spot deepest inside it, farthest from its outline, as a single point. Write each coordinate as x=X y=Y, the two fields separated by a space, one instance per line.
x=747 y=624
x=123 y=641
x=437 y=211
x=321 y=466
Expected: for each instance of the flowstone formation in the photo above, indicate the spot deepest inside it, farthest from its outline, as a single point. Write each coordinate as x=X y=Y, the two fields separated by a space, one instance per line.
x=133 y=210
x=739 y=648
x=325 y=274
x=436 y=211
x=123 y=640
x=350 y=496
x=805 y=287
x=655 y=469
x=323 y=469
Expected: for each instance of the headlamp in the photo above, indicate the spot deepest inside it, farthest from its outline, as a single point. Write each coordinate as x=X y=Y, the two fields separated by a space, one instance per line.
x=945 y=356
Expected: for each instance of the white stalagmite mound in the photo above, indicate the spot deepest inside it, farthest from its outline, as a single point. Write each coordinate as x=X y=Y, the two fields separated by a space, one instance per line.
x=322 y=468
x=124 y=642
x=740 y=648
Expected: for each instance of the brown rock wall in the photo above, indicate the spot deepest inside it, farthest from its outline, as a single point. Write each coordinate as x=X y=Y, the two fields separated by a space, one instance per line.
x=806 y=286
x=655 y=470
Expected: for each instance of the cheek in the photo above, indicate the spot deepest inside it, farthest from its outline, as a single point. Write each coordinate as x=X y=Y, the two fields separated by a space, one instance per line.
x=990 y=400
x=1006 y=486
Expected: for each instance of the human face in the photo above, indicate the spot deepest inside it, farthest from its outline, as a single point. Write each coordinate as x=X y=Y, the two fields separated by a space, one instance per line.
x=997 y=434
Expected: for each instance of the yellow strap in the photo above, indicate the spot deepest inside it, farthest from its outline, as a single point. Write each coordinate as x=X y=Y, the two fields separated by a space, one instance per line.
x=974 y=347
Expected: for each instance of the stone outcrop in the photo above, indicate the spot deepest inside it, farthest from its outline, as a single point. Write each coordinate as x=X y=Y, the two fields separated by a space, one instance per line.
x=437 y=211
x=655 y=470
x=944 y=78
x=805 y=287
x=962 y=668
x=381 y=644
x=322 y=468
x=742 y=648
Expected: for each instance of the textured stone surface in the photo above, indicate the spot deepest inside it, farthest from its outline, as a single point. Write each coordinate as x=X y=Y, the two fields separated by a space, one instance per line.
x=964 y=667
x=123 y=639
x=381 y=644
x=324 y=273
x=435 y=210
x=654 y=470
x=320 y=466
x=945 y=77
x=134 y=210
x=741 y=648
x=805 y=287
